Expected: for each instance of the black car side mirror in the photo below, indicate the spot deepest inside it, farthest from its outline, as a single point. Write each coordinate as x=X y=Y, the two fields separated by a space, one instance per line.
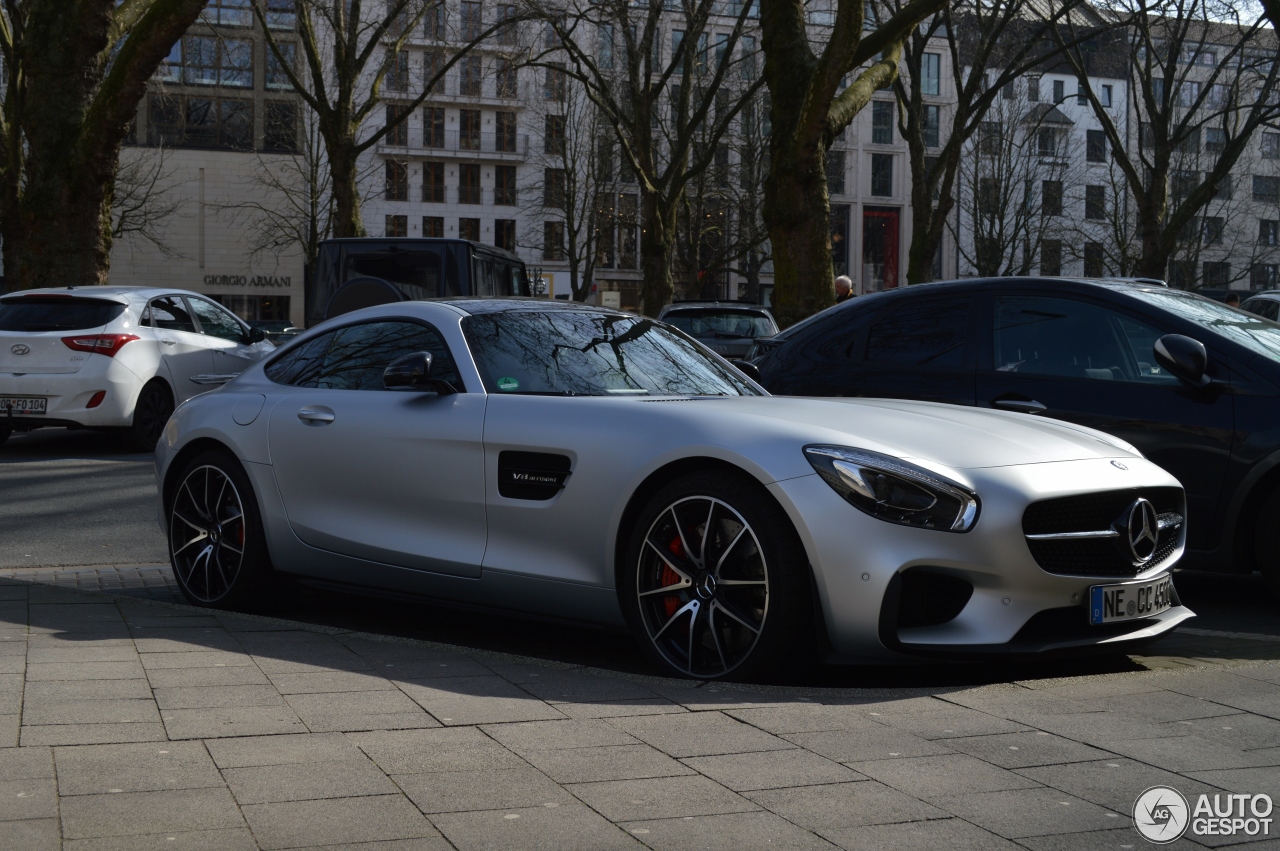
x=750 y=370
x=257 y=335
x=1184 y=358
x=413 y=372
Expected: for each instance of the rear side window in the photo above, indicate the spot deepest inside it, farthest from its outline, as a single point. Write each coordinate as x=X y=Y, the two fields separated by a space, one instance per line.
x=56 y=313
x=923 y=332
x=169 y=313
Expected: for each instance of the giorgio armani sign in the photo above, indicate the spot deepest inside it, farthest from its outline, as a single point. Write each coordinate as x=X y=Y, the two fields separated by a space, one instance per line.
x=247 y=280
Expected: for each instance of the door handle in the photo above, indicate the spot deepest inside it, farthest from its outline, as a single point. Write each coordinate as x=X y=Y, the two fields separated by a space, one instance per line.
x=316 y=416
x=1022 y=406
x=168 y=342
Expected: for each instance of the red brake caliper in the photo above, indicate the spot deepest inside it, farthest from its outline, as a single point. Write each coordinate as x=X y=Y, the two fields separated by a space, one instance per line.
x=671 y=602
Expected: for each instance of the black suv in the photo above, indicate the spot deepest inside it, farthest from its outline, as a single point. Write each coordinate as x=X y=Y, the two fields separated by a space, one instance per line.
x=1194 y=384
x=729 y=328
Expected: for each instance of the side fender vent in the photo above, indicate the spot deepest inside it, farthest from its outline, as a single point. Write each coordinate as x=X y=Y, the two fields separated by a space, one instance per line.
x=532 y=475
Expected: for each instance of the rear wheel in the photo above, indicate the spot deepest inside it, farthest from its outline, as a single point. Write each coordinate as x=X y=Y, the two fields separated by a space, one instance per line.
x=1266 y=546
x=155 y=404
x=216 y=542
x=716 y=582
x=5 y=431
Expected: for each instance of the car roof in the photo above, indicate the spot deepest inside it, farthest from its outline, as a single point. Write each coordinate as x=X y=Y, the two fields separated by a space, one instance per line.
x=482 y=305
x=1269 y=295
x=725 y=305
x=122 y=294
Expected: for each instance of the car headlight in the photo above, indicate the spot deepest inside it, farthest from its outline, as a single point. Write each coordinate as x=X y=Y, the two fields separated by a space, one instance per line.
x=893 y=490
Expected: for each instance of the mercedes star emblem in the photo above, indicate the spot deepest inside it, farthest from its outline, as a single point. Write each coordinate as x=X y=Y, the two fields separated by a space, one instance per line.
x=1142 y=525
x=20 y=349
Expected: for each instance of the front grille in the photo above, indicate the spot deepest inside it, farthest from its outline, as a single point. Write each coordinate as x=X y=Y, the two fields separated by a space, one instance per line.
x=1097 y=512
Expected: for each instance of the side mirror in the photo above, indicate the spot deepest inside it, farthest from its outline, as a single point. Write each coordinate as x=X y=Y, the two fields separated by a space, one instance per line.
x=1184 y=358
x=257 y=335
x=750 y=370
x=413 y=372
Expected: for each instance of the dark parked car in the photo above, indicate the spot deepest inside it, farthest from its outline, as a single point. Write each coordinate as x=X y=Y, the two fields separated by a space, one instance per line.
x=1265 y=304
x=728 y=328
x=1191 y=383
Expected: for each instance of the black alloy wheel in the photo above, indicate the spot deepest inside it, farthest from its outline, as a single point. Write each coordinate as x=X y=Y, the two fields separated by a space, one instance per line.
x=155 y=405
x=5 y=431
x=1266 y=542
x=216 y=543
x=716 y=581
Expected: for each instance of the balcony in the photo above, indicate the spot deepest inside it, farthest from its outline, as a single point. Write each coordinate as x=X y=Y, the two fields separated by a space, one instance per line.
x=467 y=145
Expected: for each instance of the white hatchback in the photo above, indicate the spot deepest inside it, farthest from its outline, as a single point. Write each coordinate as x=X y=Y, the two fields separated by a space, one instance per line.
x=114 y=357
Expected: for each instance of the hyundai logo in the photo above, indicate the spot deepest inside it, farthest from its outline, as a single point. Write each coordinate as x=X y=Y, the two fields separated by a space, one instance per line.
x=1141 y=526
x=20 y=349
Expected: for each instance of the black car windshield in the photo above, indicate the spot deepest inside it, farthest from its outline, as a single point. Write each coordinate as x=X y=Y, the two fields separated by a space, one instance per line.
x=56 y=313
x=1253 y=332
x=721 y=323
x=584 y=353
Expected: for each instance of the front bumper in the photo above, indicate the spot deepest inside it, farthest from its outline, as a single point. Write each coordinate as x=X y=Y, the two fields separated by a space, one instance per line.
x=68 y=395
x=1014 y=607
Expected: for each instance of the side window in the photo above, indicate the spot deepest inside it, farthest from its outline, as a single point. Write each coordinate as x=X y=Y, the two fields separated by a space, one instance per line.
x=301 y=364
x=170 y=313
x=360 y=353
x=215 y=321
x=1063 y=337
x=923 y=332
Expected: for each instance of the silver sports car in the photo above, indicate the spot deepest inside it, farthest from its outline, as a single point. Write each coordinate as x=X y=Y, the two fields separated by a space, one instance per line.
x=586 y=464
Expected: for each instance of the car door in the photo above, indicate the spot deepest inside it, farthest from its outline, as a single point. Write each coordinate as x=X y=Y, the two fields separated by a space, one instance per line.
x=1091 y=363
x=389 y=476
x=183 y=350
x=226 y=337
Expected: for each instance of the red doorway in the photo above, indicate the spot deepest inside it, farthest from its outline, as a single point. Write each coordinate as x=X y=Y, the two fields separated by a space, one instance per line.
x=879 y=248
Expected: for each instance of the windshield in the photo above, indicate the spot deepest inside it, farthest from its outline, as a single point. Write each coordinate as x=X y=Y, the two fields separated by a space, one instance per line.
x=583 y=353
x=56 y=313
x=1253 y=332
x=721 y=323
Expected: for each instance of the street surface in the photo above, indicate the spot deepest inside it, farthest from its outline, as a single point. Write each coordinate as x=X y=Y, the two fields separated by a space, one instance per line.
x=130 y=720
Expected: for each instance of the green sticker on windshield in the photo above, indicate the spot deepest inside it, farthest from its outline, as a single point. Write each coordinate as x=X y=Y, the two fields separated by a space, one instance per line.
x=506 y=384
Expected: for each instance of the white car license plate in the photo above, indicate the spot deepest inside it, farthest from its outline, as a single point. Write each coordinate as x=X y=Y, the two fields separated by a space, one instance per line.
x=22 y=405
x=1130 y=600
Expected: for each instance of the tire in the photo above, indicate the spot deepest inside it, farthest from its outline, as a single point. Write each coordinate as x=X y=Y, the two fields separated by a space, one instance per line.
x=216 y=541
x=1266 y=542
x=150 y=414
x=741 y=606
x=5 y=431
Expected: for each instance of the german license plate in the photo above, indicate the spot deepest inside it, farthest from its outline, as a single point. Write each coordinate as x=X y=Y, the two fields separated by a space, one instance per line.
x=22 y=405
x=1130 y=600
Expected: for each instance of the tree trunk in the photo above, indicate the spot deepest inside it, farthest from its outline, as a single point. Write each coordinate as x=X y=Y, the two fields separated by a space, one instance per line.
x=65 y=221
x=347 y=219
x=797 y=211
x=657 y=246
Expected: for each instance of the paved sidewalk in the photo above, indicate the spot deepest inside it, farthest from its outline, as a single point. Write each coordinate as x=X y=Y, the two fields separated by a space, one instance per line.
x=134 y=724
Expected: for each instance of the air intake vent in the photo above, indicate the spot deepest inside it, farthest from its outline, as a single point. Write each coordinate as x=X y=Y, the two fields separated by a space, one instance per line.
x=532 y=475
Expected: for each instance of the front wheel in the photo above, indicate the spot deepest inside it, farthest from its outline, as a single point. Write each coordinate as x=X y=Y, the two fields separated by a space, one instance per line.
x=1266 y=544
x=716 y=582
x=216 y=541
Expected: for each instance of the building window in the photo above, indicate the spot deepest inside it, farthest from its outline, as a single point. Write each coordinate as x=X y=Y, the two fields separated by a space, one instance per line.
x=1211 y=228
x=397 y=180
x=882 y=174
x=1266 y=189
x=835 y=171
x=930 y=73
x=469 y=183
x=433 y=23
x=1106 y=94
x=227 y=13
x=1047 y=142
x=470 y=76
x=1051 y=197
x=1215 y=140
x=398 y=126
x=1264 y=276
x=469 y=228
x=553 y=188
x=504 y=185
x=1082 y=95
x=281 y=15
x=553 y=240
x=505 y=137
x=1271 y=146
x=1096 y=146
x=504 y=234
x=1050 y=257
x=1059 y=91
x=397 y=226
x=280 y=126
x=199 y=122
x=882 y=112
x=1095 y=202
x=468 y=129
x=1217 y=273
x=555 y=86
x=932 y=122
x=1033 y=89
x=433 y=62
x=506 y=83
x=990 y=138
x=988 y=197
x=553 y=130
x=1225 y=190
x=211 y=61
x=1268 y=232
x=1182 y=274
x=509 y=34
x=604 y=52
x=433 y=227
x=397 y=75
x=277 y=79
x=433 y=127
x=433 y=183
x=1093 y=260
x=472 y=21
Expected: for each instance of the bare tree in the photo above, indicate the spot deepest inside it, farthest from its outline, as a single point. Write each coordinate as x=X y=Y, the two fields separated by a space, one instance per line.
x=144 y=203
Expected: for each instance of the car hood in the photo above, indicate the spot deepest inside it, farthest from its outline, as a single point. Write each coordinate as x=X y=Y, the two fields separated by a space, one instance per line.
x=951 y=435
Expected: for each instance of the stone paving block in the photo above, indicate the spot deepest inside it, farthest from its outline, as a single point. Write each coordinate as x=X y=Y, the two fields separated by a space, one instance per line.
x=1016 y=702
x=32 y=835
x=194 y=659
x=619 y=709
x=843 y=805
x=397 y=651
x=56 y=691
x=152 y=767
x=348 y=778
x=1167 y=706
x=230 y=839
x=209 y=697
x=89 y=610
x=144 y=617
x=951 y=723
x=26 y=763
x=951 y=834
x=430 y=669
x=91 y=734
x=772 y=769
x=932 y=777
x=461 y=791
x=864 y=745
x=806 y=718
x=68 y=651
x=297 y=824
x=373 y=710
x=1101 y=728
x=555 y=735
x=567 y=827
x=419 y=751
x=1190 y=753
x=1121 y=838
x=1109 y=685
x=84 y=671
x=1252 y=780
x=524 y=672
x=660 y=798
x=330 y=682
x=184 y=640
x=478 y=700
x=1112 y=783
x=40 y=712
x=737 y=832
x=1019 y=813
x=1019 y=750
x=282 y=750
x=31 y=798
x=13 y=664
x=1244 y=731
x=135 y=813
x=571 y=686
x=310 y=662
x=704 y=698
x=230 y=721
x=1229 y=689
x=699 y=734
x=624 y=762
x=213 y=675
x=9 y=730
